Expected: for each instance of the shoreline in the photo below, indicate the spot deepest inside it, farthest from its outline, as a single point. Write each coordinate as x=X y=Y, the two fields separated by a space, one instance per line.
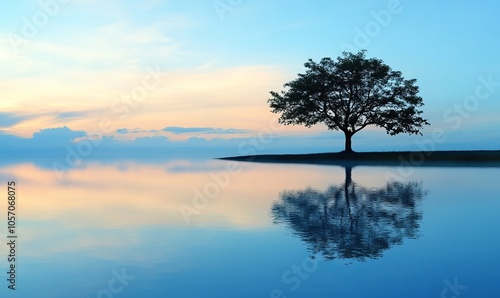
x=481 y=158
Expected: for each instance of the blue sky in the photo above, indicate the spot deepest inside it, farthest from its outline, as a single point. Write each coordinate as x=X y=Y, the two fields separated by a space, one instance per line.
x=209 y=66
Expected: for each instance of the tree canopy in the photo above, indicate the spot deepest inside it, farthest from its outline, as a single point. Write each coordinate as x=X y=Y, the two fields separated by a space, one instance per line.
x=349 y=94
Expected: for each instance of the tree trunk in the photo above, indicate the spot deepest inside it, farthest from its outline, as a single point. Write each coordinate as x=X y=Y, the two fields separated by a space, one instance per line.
x=347 y=195
x=348 y=147
x=347 y=184
x=348 y=175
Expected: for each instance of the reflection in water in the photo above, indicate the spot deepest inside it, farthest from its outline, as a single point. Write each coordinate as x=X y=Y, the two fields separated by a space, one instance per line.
x=349 y=221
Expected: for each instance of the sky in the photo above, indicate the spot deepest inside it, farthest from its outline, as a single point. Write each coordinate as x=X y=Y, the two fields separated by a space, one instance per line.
x=197 y=73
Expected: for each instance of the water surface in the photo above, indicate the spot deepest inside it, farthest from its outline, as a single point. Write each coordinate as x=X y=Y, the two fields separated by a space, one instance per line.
x=216 y=228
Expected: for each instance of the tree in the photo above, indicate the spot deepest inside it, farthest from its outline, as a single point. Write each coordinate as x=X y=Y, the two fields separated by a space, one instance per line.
x=351 y=221
x=349 y=94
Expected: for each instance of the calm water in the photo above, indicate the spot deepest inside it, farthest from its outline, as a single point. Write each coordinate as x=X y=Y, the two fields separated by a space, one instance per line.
x=224 y=229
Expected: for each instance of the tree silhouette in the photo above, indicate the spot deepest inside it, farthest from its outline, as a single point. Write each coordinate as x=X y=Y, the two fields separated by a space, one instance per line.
x=349 y=221
x=349 y=94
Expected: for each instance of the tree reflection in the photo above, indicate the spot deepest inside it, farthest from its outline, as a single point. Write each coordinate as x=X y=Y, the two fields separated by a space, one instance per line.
x=350 y=221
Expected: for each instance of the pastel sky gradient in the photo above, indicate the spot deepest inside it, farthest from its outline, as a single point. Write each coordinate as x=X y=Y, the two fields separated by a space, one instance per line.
x=208 y=66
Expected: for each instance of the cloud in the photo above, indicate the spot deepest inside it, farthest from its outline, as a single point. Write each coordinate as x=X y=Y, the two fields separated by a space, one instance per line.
x=226 y=91
x=10 y=119
x=60 y=133
x=60 y=144
x=70 y=115
x=135 y=130
x=50 y=142
x=203 y=130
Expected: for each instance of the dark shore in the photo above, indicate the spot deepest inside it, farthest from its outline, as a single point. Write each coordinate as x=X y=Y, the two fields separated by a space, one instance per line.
x=403 y=158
